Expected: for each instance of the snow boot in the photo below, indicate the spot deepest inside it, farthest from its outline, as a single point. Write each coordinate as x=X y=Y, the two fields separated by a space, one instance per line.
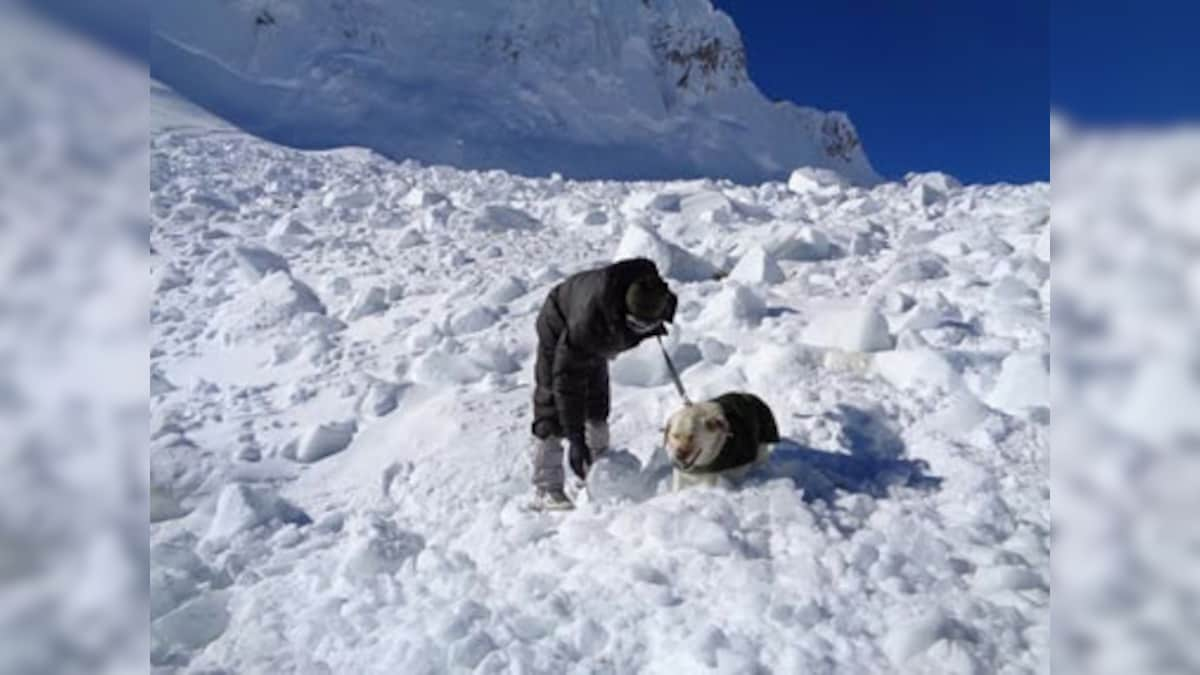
x=550 y=499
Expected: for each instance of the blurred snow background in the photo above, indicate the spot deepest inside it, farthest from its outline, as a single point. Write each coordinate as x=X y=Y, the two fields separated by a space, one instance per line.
x=73 y=353
x=1125 y=321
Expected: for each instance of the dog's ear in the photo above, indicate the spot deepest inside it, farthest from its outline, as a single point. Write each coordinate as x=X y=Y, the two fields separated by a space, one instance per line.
x=717 y=424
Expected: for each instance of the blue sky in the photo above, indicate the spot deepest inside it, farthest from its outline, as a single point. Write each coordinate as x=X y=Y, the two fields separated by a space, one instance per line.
x=946 y=85
x=1129 y=62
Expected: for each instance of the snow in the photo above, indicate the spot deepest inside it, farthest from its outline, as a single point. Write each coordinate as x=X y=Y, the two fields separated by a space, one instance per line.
x=803 y=244
x=1023 y=382
x=756 y=266
x=241 y=507
x=852 y=329
x=673 y=261
x=819 y=181
x=370 y=301
x=904 y=526
x=659 y=76
x=497 y=218
x=324 y=440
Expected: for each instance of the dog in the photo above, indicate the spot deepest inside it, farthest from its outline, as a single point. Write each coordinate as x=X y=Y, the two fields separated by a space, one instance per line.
x=723 y=437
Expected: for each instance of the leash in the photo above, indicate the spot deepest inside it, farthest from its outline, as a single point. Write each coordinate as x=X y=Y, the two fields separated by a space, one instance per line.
x=674 y=373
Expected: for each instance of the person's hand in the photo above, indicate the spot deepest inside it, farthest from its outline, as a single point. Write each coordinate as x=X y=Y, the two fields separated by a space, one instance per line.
x=580 y=457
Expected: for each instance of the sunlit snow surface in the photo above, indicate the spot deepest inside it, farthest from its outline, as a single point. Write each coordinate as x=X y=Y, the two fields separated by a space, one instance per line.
x=342 y=354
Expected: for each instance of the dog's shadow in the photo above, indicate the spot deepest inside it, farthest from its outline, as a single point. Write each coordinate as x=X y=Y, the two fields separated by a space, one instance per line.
x=874 y=462
x=822 y=473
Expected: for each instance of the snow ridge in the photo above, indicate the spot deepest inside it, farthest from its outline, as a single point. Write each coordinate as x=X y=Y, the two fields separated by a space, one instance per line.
x=642 y=89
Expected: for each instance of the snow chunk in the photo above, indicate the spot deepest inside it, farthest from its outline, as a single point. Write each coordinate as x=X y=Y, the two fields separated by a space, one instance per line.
x=734 y=305
x=913 y=368
x=1042 y=248
x=757 y=266
x=378 y=546
x=813 y=180
x=666 y=201
x=936 y=180
x=288 y=229
x=410 y=237
x=348 y=198
x=191 y=626
x=645 y=366
x=1012 y=291
x=803 y=244
x=926 y=195
x=715 y=352
x=494 y=358
x=1023 y=382
x=595 y=217
x=256 y=262
x=929 y=314
x=421 y=198
x=269 y=303
x=929 y=189
x=909 y=638
x=963 y=413
x=472 y=320
x=919 y=267
x=617 y=476
x=672 y=261
x=709 y=205
x=440 y=368
x=324 y=440
x=381 y=398
x=471 y=650
x=851 y=329
x=505 y=291
x=498 y=218
x=167 y=277
x=371 y=301
x=241 y=507
x=1007 y=578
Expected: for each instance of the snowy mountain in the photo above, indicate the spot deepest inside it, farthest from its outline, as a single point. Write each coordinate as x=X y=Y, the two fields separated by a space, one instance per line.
x=341 y=364
x=629 y=89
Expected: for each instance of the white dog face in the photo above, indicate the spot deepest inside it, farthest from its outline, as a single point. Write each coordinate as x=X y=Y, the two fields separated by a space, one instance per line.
x=695 y=434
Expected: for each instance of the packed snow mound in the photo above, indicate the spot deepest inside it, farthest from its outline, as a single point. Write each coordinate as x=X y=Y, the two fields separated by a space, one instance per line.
x=242 y=507
x=815 y=181
x=757 y=266
x=503 y=90
x=801 y=244
x=270 y=303
x=324 y=440
x=852 y=329
x=673 y=262
x=645 y=366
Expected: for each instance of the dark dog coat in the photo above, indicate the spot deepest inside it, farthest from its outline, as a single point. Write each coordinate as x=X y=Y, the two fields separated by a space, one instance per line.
x=751 y=424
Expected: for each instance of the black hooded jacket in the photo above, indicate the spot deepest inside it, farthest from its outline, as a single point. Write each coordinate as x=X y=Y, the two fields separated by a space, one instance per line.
x=581 y=325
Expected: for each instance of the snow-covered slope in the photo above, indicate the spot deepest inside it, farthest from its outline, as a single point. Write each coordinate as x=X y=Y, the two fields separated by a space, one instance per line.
x=341 y=363
x=620 y=89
